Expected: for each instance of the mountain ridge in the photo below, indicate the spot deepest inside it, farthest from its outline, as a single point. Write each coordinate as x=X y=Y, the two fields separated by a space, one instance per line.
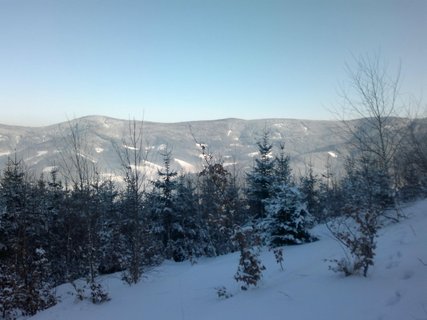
x=95 y=116
x=231 y=139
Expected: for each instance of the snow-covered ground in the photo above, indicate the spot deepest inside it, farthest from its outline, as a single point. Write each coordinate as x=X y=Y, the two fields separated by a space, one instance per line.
x=396 y=287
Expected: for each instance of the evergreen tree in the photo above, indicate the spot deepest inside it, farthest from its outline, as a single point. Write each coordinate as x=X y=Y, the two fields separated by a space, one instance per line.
x=133 y=227
x=282 y=173
x=165 y=189
x=194 y=236
x=287 y=219
x=213 y=183
x=250 y=266
x=311 y=194
x=235 y=203
x=112 y=240
x=365 y=184
x=56 y=236
x=331 y=197
x=24 y=282
x=176 y=220
x=261 y=177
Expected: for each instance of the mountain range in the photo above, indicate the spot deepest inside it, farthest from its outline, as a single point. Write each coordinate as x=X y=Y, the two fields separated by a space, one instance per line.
x=233 y=141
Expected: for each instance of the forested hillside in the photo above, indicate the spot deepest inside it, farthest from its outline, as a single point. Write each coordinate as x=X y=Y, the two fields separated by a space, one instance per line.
x=74 y=223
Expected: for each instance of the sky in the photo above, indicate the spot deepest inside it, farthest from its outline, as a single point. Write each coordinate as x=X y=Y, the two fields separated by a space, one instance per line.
x=183 y=60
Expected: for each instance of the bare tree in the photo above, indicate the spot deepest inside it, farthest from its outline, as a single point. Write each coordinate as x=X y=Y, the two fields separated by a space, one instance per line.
x=372 y=97
x=418 y=140
x=79 y=167
x=76 y=162
x=133 y=156
x=411 y=162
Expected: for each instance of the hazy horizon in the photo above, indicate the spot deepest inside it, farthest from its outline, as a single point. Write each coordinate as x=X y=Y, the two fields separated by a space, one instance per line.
x=160 y=122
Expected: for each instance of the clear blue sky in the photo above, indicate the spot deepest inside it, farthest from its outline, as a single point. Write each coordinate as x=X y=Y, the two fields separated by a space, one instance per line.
x=179 y=60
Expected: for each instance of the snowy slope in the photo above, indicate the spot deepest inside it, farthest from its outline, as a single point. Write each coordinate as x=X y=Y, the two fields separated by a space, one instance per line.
x=396 y=287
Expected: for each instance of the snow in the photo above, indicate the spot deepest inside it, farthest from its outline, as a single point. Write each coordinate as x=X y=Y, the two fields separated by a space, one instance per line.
x=41 y=153
x=304 y=128
x=279 y=125
x=129 y=147
x=99 y=149
x=332 y=154
x=6 y=153
x=49 y=169
x=394 y=289
x=148 y=168
x=86 y=157
x=151 y=165
x=187 y=167
x=38 y=154
x=162 y=147
x=113 y=177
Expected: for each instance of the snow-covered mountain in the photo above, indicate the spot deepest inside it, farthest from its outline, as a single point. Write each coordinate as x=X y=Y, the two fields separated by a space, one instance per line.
x=232 y=140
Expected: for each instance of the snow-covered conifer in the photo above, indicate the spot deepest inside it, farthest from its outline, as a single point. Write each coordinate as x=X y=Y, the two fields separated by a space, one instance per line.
x=287 y=219
x=261 y=177
x=215 y=210
x=309 y=187
x=24 y=282
x=193 y=237
x=250 y=266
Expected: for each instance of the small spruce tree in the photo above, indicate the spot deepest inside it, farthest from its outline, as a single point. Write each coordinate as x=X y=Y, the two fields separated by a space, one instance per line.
x=261 y=178
x=288 y=218
x=250 y=266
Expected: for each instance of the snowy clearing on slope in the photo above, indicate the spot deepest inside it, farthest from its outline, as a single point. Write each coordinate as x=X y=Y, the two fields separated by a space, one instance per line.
x=162 y=147
x=42 y=153
x=86 y=157
x=37 y=155
x=394 y=289
x=130 y=147
x=187 y=167
x=49 y=169
x=229 y=164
